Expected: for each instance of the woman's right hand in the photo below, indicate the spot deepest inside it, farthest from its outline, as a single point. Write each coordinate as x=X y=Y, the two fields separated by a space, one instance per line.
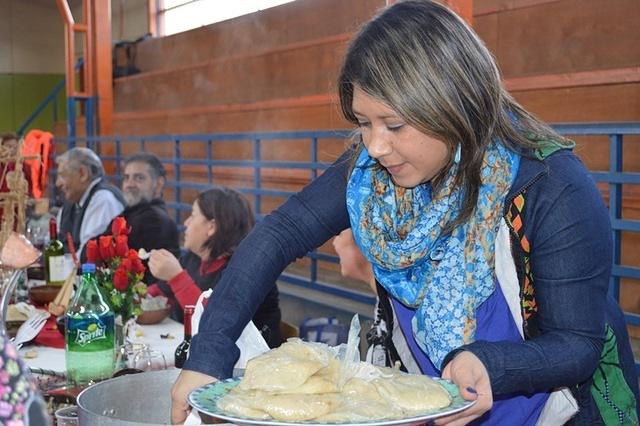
x=187 y=381
x=164 y=265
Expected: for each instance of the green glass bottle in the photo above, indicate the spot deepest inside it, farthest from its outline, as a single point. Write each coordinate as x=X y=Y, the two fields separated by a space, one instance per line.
x=54 y=257
x=89 y=333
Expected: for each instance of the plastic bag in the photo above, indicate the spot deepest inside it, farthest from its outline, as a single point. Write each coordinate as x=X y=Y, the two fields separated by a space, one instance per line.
x=251 y=343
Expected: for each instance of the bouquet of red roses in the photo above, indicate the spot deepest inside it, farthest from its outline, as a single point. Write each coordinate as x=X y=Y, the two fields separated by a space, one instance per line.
x=118 y=269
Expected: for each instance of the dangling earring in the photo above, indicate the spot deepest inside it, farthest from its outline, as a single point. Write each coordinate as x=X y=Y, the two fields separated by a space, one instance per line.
x=456 y=157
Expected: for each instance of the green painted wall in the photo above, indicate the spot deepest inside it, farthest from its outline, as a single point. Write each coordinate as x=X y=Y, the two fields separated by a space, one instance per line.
x=6 y=103
x=21 y=94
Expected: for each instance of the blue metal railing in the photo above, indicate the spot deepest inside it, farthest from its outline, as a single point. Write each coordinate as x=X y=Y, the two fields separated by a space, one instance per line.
x=111 y=150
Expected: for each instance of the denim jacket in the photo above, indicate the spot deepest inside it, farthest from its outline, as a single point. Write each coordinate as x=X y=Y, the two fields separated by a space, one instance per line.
x=568 y=229
x=570 y=236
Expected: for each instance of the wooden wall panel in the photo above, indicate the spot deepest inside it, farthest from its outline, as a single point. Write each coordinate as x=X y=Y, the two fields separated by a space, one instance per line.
x=618 y=102
x=487 y=29
x=279 y=75
x=296 y=22
x=486 y=7
x=568 y=36
x=321 y=116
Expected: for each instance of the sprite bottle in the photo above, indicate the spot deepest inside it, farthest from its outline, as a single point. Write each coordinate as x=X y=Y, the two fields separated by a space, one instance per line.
x=89 y=333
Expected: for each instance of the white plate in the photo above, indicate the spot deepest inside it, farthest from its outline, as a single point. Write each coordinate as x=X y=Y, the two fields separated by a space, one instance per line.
x=205 y=399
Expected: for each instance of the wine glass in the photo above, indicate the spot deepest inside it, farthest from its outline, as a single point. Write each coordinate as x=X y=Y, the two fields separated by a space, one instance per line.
x=149 y=360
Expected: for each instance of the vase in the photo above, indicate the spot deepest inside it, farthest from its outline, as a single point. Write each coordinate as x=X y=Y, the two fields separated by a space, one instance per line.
x=122 y=328
x=119 y=363
x=121 y=332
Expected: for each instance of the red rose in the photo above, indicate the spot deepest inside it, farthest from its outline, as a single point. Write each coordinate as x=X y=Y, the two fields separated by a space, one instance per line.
x=105 y=246
x=93 y=254
x=122 y=246
x=132 y=255
x=127 y=265
x=138 y=266
x=121 y=279
x=119 y=226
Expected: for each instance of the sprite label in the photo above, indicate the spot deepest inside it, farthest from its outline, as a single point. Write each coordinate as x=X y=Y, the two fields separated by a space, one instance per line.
x=90 y=331
x=94 y=331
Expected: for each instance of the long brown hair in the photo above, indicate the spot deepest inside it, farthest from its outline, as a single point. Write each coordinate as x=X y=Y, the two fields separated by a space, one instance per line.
x=233 y=215
x=426 y=64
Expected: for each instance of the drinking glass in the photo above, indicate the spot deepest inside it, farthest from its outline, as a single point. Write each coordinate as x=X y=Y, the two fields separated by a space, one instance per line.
x=127 y=352
x=149 y=360
x=67 y=416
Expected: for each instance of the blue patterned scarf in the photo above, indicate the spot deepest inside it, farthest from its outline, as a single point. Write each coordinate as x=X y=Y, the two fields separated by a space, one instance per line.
x=443 y=277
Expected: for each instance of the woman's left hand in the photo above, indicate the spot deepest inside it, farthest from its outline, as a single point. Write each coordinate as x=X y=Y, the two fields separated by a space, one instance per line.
x=469 y=373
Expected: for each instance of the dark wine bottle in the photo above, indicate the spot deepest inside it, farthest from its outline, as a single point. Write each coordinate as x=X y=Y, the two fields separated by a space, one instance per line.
x=182 y=351
x=54 y=265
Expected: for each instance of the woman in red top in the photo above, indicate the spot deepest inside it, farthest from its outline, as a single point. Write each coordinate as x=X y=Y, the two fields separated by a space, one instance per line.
x=219 y=220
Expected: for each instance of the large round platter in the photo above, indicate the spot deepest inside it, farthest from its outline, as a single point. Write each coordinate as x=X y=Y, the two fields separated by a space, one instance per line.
x=205 y=399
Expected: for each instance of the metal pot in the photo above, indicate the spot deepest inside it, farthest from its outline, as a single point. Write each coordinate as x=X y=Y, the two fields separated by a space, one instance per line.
x=134 y=399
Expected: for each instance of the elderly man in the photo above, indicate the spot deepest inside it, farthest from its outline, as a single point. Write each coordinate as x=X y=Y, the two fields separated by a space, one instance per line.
x=91 y=202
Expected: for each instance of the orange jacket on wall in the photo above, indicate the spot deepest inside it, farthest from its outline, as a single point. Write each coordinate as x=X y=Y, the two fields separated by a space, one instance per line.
x=36 y=150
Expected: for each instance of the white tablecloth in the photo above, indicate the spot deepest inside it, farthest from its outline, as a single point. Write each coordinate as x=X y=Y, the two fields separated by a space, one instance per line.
x=53 y=359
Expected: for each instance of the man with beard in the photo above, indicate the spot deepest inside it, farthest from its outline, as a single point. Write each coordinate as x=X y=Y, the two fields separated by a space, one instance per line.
x=142 y=186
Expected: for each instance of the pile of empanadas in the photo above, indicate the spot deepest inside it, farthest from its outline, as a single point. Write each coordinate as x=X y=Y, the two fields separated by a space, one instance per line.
x=302 y=381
